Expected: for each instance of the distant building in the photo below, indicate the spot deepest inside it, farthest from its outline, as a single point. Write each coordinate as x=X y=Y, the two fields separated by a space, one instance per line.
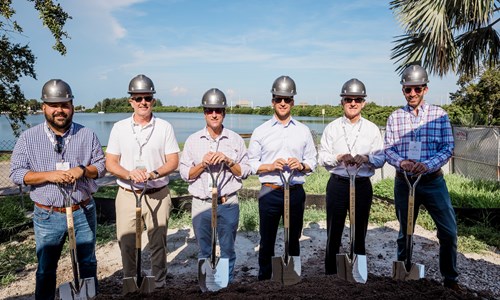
x=303 y=104
x=243 y=103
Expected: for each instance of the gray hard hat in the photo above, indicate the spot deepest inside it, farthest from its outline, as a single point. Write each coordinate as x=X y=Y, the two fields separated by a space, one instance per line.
x=214 y=98
x=353 y=87
x=284 y=86
x=141 y=84
x=56 y=90
x=414 y=75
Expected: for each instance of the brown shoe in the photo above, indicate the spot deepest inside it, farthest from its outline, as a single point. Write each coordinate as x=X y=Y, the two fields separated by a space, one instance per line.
x=453 y=285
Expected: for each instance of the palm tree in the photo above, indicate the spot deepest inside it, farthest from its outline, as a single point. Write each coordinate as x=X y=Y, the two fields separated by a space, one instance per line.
x=447 y=35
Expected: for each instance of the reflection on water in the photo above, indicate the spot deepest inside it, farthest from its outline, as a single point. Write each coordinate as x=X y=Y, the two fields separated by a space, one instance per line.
x=184 y=123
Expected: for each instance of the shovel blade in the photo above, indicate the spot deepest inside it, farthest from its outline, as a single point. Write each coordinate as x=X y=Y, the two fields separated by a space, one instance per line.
x=354 y=270
x=399 y=271
x=87 y=290
x=287 y=273
x=130 y=285
x=213 y=279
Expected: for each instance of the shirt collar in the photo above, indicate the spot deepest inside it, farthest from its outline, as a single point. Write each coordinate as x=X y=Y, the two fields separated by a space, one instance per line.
x=423 y=107
x=276 y=121
x=150 y=123
x=206 y=135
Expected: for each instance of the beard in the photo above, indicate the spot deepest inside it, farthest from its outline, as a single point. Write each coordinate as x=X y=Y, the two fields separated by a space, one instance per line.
x=58 y=124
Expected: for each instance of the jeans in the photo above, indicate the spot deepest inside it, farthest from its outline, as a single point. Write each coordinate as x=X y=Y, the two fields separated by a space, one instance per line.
x=228 y=215
x=433 y=195
x=271 y=206
x=337 y=206
x=50 y=235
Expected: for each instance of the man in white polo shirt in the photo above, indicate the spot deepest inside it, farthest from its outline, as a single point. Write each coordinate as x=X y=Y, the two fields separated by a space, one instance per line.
x=143 y=148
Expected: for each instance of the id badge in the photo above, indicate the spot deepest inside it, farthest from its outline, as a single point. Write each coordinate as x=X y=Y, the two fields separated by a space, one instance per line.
x=140 y=164
x=415 y=150
x=62 y=166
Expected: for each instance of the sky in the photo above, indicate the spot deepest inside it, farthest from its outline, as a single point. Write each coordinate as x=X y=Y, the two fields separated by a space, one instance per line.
x=187 y=47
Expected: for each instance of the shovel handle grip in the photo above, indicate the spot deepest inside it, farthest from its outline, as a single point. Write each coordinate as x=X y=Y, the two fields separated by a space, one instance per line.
x=138 y=227
x=71 y=228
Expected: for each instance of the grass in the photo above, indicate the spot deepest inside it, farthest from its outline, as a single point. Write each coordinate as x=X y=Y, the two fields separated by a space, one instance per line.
x=18 y=253
x=464 y=192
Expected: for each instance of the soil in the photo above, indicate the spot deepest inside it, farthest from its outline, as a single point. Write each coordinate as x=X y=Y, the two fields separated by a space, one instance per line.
x=479 y=273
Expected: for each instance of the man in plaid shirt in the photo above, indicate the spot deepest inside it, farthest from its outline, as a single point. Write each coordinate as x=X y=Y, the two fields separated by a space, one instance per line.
x=419 y=140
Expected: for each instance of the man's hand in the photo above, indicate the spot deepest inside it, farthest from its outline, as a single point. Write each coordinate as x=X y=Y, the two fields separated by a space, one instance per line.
x=138 y=175
x=294 y=164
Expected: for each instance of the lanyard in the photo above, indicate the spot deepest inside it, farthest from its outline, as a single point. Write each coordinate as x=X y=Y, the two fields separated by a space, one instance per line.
x=420 y=118
x=51 y=135
x=351 y=147
x=147 y=138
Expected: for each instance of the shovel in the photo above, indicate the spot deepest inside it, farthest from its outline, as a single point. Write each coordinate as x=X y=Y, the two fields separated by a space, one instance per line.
x=213 y=272
x=79 y=289
x=286 y=268
x=143 y=284
x=407 y=270
x=352 y=267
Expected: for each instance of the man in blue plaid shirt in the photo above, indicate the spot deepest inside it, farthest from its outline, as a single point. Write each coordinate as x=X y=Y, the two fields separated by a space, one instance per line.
x=52 y=158
x=419 y=140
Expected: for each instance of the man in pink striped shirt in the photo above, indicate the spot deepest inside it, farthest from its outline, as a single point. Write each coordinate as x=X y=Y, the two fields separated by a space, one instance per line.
x=215 y=148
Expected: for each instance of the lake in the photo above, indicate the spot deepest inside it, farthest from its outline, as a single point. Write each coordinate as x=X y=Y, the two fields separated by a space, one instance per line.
x=184 y=124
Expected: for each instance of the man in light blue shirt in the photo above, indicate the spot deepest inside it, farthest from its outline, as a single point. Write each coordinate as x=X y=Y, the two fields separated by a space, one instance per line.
x=281 y=144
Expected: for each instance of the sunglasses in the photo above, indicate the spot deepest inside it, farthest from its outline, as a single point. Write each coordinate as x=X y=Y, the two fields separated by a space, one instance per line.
x=417 y=89
x=139 y=99
x=287 y=100
x=212 y=110
x=349 y=100
x=59 y=146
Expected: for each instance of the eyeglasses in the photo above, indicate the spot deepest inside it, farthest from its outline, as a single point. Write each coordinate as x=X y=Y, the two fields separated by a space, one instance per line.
x=349 y=100
x=287 y=100
x=59 y=146
x=211 y=110
x=417 y=89
x=139 y=99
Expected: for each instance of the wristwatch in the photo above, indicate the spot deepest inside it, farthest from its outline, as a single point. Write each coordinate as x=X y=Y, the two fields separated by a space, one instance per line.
x=156 y=174
x=84 y=169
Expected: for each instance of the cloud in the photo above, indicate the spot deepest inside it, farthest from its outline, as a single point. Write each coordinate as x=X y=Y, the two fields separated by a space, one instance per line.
x=178 y=91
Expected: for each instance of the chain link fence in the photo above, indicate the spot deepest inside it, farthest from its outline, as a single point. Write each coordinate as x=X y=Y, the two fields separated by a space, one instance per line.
x=6 y=185
x=477 y=152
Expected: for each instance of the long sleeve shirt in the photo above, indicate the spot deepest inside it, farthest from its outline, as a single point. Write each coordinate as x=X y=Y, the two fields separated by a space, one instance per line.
x=35 y=151
x=273 y=140
x=200 y=143
x=341 y=137
x=431 y=127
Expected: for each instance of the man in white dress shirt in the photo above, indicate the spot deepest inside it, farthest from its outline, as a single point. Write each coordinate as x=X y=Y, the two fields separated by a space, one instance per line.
x=355 y=142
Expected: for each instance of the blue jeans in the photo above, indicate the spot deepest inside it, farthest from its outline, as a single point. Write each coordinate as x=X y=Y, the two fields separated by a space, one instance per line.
x=50 y=235
x=228 y=216
x=271 y=207
x=433 y=195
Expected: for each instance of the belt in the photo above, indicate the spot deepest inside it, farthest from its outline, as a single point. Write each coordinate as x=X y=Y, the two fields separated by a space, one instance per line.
x=62 y=210
x=221 y=199
x=280 y=187
x=148 y=191
x=346 y=179
x=425 y=178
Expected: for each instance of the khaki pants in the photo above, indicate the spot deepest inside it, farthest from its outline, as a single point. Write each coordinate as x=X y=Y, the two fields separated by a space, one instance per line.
x=155 y=213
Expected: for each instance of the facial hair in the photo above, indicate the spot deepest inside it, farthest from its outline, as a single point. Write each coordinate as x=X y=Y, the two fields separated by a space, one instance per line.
x=62 y=127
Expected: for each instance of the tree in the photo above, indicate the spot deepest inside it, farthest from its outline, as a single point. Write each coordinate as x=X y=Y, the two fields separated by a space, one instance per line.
x=481 y=95
x=17 y=60
x=447 y=35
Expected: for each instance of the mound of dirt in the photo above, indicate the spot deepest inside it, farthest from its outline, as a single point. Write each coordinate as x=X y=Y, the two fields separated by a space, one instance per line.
x=479 y=273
